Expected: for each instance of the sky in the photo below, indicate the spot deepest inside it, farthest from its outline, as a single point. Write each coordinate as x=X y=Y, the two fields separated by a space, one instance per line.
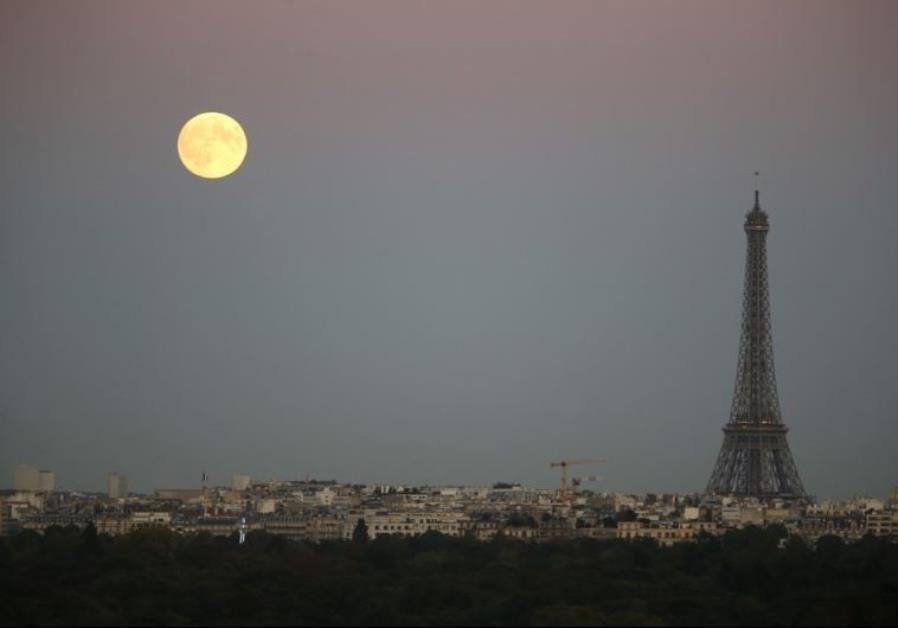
x=469 y=238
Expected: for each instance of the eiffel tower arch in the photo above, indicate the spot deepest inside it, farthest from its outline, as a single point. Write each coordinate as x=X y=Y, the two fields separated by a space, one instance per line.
x=755 y=460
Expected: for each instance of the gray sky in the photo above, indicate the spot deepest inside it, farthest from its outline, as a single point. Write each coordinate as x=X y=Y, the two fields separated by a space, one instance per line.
x=469 y=238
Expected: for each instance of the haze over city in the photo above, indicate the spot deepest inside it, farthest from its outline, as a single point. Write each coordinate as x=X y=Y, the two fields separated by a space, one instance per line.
x=467 y=239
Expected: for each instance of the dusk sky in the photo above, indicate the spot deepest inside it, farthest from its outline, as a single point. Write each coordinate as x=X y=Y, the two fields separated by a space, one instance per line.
x=468 y=239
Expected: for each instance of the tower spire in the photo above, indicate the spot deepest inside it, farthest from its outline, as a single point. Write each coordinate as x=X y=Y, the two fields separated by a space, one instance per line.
x=757 y=193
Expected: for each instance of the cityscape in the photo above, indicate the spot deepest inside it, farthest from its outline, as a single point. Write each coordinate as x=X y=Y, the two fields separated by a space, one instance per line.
x=755 y=482
x=449 y=313
x=325 y=511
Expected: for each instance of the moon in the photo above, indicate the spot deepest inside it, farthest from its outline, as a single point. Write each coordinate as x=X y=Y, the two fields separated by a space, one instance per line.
x=212 y=145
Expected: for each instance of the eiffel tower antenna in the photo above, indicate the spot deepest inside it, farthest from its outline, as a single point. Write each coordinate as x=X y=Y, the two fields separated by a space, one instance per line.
x=757 y=193
x=755 y=460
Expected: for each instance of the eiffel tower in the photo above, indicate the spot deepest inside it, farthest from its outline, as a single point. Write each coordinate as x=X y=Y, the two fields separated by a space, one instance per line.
x=755 y=460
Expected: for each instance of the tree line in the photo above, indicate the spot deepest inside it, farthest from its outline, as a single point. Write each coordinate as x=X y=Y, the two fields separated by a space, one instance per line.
x=155 y=577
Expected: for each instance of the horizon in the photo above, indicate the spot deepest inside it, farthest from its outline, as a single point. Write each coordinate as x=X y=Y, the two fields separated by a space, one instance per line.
x=592 y=487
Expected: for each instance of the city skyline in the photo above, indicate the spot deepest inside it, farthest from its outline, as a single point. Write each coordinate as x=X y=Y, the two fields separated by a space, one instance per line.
x=467 y=239
x=45 y=482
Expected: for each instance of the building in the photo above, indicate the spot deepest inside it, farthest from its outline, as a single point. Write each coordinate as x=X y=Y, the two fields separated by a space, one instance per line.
x=150 y=520
x=5 y=517
x=315 y=529
x=665 y=534
x=740 y=515
x=295 y=528
x=15 y=507
x=116 y=485
x=484 y=529
x=812 y=527
x=755 y=460
x=883 y=523
x=217 y=526
x=113 y=524
x=40 y=523
x=240 y=482
x=389 y=523
x=46 y=481
x=27 y=478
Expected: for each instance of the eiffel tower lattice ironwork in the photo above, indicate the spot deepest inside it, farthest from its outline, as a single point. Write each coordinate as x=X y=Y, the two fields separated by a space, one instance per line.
x=755 y=460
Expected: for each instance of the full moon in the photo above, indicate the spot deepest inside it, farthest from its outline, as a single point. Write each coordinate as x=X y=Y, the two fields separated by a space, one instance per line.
x=212 y=145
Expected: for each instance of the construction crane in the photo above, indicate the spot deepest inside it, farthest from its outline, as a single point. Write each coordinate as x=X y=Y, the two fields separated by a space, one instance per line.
x=566 y=493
